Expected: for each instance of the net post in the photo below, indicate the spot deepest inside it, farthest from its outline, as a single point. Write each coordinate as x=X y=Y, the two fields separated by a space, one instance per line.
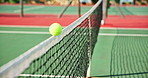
x=89 y=47
x=104 y=12
x=21 y=8
x=79 y=9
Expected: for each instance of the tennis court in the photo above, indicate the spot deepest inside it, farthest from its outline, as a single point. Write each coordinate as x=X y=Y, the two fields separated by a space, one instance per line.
x=120 y=51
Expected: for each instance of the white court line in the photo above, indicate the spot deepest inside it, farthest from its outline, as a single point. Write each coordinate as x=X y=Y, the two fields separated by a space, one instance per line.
x=27 y=9
x=101 y=34
x=108 y=34
x=124 y=28
x=23 y=32
x=23 y=26
x=36 y=75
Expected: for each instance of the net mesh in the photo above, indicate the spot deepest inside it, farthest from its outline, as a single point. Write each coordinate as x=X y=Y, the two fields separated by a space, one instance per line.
x=68 y=57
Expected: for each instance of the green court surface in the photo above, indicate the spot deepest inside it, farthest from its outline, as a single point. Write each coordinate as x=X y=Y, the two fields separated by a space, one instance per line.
x=127 y=10
x=113 y=44
x=14 y=43
x=121 y=55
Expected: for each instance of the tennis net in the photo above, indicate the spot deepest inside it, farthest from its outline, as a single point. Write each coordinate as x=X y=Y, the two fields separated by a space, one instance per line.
x=64 y=56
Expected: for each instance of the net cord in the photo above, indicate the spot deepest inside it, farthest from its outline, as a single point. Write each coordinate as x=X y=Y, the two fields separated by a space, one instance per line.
x=13 y=68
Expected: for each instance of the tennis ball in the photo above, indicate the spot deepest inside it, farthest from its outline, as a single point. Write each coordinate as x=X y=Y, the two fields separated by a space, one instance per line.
x=55 y=29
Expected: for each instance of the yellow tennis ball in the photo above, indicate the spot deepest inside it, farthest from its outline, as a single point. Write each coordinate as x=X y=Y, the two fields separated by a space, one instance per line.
x=55 y=29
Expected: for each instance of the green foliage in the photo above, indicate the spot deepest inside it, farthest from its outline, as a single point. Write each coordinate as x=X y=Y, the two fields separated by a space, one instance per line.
x=94 y=1
x=118 y=1
x=13 y=1
x=1 y=1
